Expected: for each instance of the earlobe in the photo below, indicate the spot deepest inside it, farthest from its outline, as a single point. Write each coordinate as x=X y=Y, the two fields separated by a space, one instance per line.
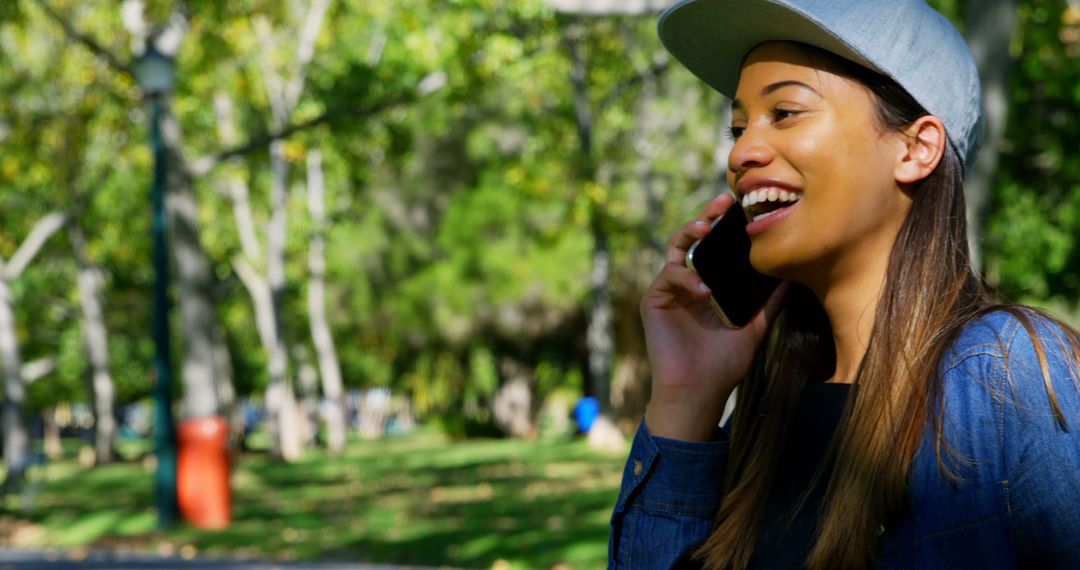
x=925 y=143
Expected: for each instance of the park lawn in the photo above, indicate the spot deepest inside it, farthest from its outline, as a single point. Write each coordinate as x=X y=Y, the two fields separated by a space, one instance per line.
x=417 y=499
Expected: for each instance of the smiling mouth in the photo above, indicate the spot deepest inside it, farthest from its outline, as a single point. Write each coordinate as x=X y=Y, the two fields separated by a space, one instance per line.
x=759 y=203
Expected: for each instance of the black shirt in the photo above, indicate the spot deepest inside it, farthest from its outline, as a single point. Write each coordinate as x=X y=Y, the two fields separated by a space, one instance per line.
x=778 y=545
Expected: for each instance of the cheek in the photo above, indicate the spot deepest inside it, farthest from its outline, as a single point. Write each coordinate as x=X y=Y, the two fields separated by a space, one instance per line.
x=850 y=172
x=850 y=191
x=823 y=158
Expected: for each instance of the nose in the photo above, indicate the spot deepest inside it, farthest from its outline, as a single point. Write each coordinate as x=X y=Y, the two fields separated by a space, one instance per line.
x=751 y=150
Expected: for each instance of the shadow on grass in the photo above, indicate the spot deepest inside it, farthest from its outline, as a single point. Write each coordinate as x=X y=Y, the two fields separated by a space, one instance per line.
x=412 y=500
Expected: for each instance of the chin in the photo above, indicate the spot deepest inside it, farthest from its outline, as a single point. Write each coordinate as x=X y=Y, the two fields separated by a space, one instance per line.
x=794 y=256
x=772 y=267
x=800 y=271
x=773 y=260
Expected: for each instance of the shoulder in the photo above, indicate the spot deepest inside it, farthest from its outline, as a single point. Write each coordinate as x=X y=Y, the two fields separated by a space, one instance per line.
x=1022 y=357
x=1016 y=333
x=1022 y=434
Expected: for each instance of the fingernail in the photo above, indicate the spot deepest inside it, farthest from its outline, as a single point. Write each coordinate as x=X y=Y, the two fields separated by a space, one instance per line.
x=703 y=288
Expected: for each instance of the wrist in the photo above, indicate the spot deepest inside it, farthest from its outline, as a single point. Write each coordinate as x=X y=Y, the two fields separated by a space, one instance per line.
x=684 y=419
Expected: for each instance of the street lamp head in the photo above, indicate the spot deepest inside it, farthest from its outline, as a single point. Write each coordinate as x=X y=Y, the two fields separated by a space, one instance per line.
x=154 y=72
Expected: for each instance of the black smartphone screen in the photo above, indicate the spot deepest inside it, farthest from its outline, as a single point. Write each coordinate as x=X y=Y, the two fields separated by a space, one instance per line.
x=722 y=259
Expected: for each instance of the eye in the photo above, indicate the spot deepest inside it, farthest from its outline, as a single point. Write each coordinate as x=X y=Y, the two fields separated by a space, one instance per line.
x=734 y=132
x=780 y=114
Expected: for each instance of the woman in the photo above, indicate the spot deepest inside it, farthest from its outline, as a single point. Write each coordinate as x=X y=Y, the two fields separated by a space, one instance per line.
x=889 y=413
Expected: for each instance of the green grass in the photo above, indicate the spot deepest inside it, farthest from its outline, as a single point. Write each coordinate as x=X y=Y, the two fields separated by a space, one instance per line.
x=418 y=499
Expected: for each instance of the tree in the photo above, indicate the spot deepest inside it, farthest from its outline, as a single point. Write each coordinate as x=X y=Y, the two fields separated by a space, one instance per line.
x=600 y=334
x=329 y=369
x=990 y=27
x=16 y=440
x=102 y=390
x=200 y=369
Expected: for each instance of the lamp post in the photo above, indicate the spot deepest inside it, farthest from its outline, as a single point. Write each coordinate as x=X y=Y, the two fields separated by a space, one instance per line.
x=154 y=73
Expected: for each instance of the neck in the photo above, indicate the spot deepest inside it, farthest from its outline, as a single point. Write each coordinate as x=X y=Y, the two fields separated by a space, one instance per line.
x=851 y=304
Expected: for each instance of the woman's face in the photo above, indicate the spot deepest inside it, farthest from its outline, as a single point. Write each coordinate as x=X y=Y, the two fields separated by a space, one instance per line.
x=809 y=138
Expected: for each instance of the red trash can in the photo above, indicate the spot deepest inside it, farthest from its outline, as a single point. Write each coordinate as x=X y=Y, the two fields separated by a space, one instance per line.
x=202 y=478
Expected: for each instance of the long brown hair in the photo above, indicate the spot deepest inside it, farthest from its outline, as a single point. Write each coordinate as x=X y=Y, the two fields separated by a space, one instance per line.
x=931 y=292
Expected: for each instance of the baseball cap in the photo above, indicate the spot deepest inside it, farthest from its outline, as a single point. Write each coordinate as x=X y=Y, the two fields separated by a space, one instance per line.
x=905 y=40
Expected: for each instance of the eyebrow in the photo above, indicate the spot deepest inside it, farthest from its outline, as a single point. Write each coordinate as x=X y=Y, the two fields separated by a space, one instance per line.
x=770 y=88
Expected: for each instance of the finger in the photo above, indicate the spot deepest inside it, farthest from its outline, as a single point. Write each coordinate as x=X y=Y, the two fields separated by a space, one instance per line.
x=685 y=237
x=676 y=280
x=717 y=207
x=776 y=301
x=772 y=307
x=681 y=240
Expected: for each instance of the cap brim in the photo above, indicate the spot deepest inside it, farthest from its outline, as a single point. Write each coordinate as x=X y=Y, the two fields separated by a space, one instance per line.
x=712 y=37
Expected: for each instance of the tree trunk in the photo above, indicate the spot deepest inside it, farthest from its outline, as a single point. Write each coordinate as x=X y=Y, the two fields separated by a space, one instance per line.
x=279 y=399
x=283 y=98
x=630 y=377
x=267 y=295
x=600 y=332
x=600 y=339
x=600 y=329
x=307 y=379
x=282 y=425
x=16 y=438
x=329 y=369
x=285 y=440
x=199 y=370
x=276 y=229
x=51 y=435
x=512 y=409
x=13 y=420
x=95 y=336
x=228 y=403
x=237 y=190
x=990 y=27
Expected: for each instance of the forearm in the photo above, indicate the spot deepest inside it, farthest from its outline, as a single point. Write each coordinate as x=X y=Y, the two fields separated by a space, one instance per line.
x=670 y=493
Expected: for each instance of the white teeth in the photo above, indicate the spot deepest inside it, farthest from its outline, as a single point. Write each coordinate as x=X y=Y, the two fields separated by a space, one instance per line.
x=759 y=195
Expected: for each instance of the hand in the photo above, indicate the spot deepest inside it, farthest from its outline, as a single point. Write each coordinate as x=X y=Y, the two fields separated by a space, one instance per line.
x=696 y=361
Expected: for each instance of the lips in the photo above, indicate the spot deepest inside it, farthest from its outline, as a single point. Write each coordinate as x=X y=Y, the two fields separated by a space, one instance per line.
x=763 y=197
x=763 y=201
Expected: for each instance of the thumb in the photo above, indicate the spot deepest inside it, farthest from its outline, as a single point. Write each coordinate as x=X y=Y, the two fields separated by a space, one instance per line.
x=776 y=301
x=772 y=308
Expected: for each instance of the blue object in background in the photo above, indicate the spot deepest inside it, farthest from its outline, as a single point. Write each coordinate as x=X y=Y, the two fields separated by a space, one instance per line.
x=586 y=411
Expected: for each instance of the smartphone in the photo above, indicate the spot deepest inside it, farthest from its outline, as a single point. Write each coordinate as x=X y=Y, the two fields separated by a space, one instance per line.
x=722 y=259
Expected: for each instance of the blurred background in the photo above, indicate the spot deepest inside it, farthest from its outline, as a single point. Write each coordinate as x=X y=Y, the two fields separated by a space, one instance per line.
x=353 y=280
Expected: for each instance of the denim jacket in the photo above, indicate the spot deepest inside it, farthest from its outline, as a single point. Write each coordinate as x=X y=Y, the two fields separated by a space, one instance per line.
x=1018 y=505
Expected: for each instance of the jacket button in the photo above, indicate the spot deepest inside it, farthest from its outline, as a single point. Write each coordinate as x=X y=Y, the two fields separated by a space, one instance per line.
x=638 y=467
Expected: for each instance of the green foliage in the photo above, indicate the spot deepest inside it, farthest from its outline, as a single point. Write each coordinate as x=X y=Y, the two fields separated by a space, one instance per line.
x=1031 y=244
x=1036 y=249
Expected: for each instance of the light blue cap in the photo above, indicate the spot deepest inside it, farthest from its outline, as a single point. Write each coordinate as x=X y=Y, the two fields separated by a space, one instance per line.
x=904 y=39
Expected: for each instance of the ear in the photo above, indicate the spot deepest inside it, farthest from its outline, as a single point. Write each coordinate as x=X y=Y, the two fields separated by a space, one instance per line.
x=924 y=144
